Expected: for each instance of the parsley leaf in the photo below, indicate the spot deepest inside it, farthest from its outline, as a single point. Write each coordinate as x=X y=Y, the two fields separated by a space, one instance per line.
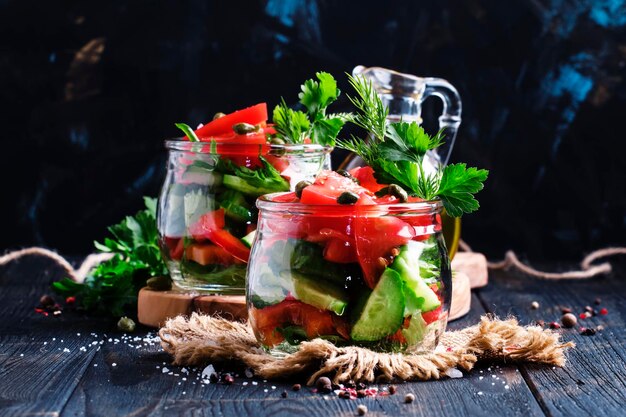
x=457 y=187
x=112 y=287
x=292 y=124
x=295 y=126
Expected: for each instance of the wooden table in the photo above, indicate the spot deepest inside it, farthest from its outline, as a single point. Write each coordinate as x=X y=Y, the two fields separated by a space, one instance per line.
x=71 y=365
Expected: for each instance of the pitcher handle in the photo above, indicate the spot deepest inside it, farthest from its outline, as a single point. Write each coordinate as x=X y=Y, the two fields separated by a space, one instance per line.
x=450 y=118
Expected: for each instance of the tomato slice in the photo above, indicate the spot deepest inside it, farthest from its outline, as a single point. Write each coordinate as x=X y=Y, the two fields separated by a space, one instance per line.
x=253 y=115
x=340 y=251
x=230 y=243
x=208 y=254
x=174 y=246
x=314 y=321
x=207 y=222
x=375 y=237
x=432 y=316
x=365 y=175
x=329 y=185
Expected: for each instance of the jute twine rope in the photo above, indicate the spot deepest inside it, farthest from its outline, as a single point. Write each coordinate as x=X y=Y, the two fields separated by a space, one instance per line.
x=77 y=275
x=201 y=339
x=588 y=270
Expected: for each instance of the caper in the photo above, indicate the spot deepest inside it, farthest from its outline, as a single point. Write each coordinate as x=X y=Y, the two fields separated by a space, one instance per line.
x=346 y=174
x=277 y=141
x=244 y=128
x=218 y=115
x=382 y=192
x=160 y=283
x=301 y=186
x=398 y=192
x=126 y=324
x=347 y=197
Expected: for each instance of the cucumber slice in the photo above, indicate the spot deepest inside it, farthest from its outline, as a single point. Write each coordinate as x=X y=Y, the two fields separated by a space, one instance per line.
x=235 y=183
x=320 y=294
x=414 y=334
x=249 y=238
x=382 y=314
x=419 y=296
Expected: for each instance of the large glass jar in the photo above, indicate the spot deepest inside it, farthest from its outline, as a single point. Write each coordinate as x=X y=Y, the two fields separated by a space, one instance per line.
x=376 y=276
x=207 y=215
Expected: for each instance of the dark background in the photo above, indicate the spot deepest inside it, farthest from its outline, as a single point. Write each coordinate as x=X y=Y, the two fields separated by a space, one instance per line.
x=88 y=91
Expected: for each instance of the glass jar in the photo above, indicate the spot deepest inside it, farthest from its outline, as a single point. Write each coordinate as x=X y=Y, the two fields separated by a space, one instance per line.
x=376 y=276
x=206 y=214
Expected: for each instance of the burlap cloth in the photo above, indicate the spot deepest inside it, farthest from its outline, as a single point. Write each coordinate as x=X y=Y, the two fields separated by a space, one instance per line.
x=202 y=339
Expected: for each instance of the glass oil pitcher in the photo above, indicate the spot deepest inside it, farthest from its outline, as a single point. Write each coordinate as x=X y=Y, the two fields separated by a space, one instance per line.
x=404 y=94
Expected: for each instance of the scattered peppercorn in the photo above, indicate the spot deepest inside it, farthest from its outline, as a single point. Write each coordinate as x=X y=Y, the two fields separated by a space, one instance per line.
x=597 y=301
x=392 y=389
x=569 y=320
x=604 y=311
x=46 y=301
x=566 y=310
x=301 y=186
x=589 y=309
x=361 y=409
x=409 y=398
x=347 y=197
x=344 y=394
x=228 y=379
x=361 y=393
x=160 y=283
x=283 y=394
x=214 y=378
x=323 y=385
x=350 y=384
x=555 y=325
x=126 y=324
x=534 y=305
x=587 y=331
x=540 y=323
x=296 y=387
x=361 y=385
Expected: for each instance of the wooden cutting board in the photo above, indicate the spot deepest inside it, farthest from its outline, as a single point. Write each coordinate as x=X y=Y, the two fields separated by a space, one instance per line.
x=155 y=307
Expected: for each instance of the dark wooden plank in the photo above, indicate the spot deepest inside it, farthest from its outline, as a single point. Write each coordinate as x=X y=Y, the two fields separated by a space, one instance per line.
x=591 y=383
x=41 y=360
x=138 y=386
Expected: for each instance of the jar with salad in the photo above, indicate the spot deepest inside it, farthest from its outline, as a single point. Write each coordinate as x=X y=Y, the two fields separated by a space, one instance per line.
x=358 y=257
x=206 y=213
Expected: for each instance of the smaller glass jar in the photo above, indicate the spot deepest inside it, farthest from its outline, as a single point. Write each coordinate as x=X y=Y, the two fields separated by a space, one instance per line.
x=206 y=214
x=376 y=276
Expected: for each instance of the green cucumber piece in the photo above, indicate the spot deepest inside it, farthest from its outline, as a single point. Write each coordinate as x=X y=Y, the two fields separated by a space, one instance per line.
x=320 y=294
x=235 y=183
x=419 y=295
x=414 y=334
x=249 y=238
x=383 y=312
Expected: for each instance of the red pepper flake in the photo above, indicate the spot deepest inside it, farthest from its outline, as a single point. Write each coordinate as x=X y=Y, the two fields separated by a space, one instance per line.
x=71 y=300
x=604 y=311
x=41 y=311
x=583 y=316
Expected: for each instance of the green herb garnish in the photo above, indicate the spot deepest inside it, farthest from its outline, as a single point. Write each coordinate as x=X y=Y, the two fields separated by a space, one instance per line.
x=396 y=154
x=112 y=287
x=294 y=126
x=188 y=131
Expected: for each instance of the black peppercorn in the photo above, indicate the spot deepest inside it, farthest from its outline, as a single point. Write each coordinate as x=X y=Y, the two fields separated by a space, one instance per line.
x=296 y=387
x=323 y=385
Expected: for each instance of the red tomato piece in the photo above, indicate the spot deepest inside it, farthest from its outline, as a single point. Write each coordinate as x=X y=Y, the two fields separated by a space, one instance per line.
x=340 y=251
x=375 y=237
x=253 y=115
x=230 y=243
x=281 y=164
x=174 y=246
x=314 y=321
x=432 y=316
x=208 y=254
x=365 y=175
x=207 y=222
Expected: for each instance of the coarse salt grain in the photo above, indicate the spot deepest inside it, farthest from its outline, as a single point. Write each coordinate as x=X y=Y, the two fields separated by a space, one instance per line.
x=454 y=373
x=255 y=383
x=208 y=371
x=165 y=370
x=480 y=393
x=113 y=364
